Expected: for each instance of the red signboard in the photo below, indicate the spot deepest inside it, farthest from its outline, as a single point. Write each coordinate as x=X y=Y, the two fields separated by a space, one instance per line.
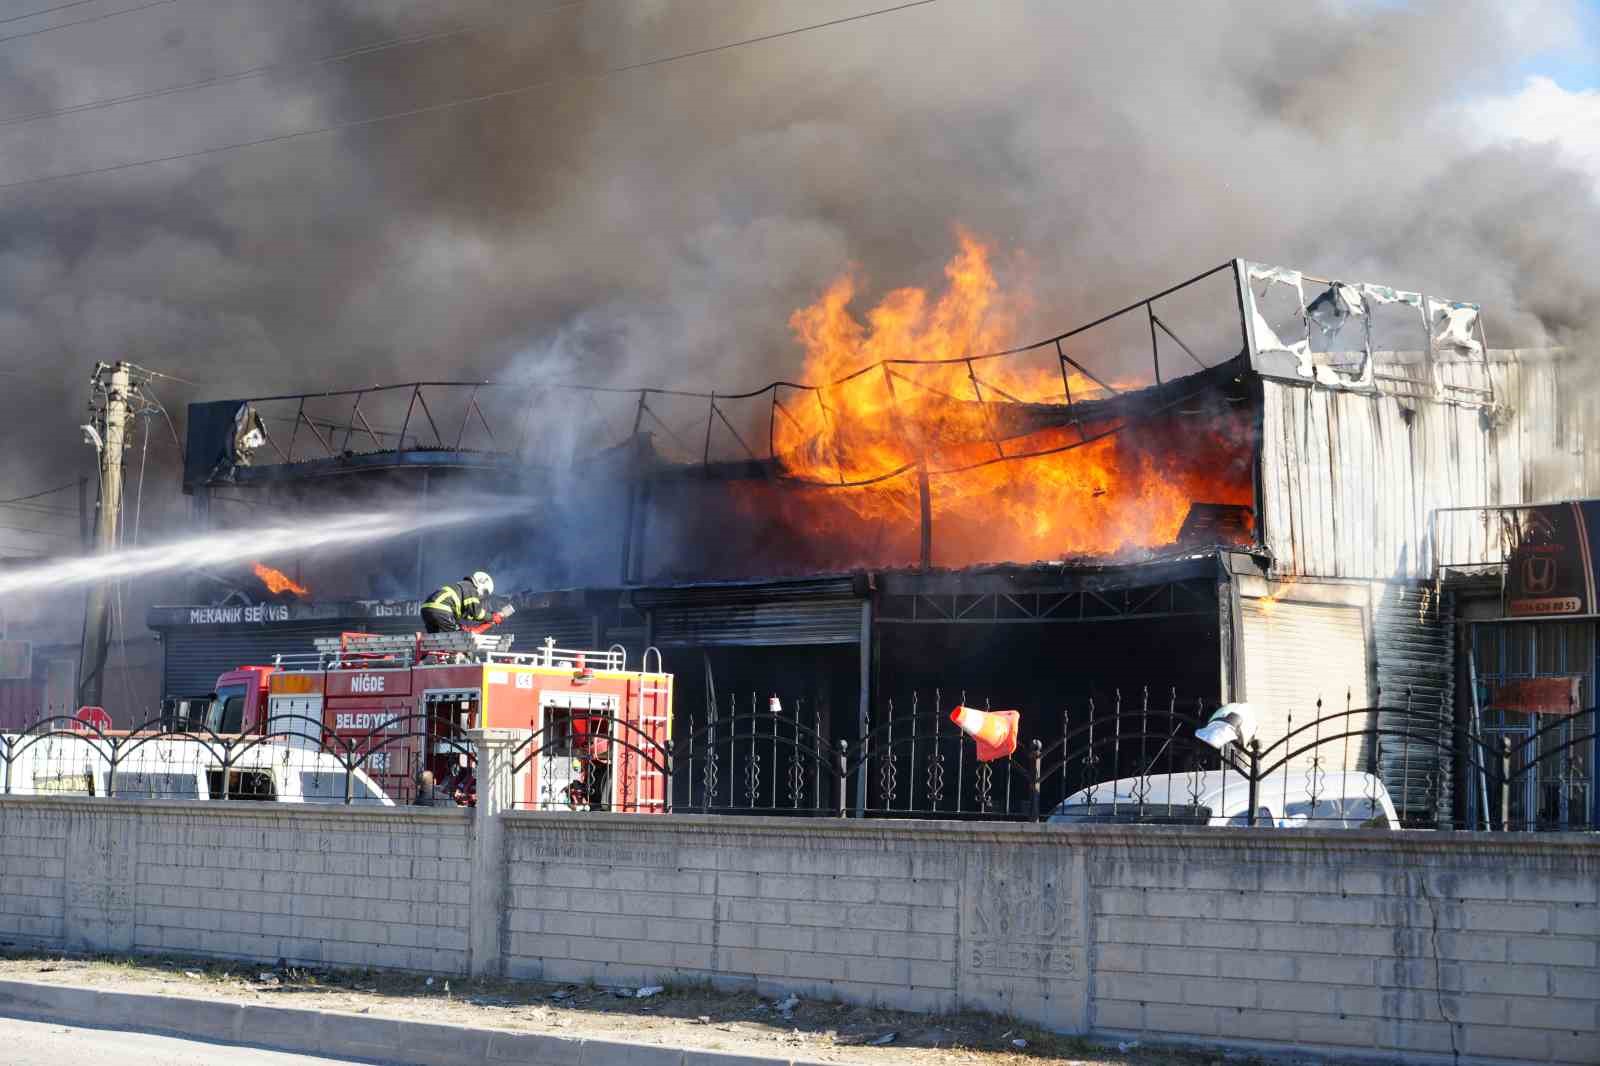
x=1536 y=695
x=93 y=718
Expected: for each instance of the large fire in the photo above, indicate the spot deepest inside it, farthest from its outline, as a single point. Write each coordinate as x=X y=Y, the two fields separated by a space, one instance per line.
x=1008 y=478
x=277 y=581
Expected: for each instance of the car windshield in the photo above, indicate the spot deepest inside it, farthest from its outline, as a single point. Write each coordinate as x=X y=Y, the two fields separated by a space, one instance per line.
x=1133 y=814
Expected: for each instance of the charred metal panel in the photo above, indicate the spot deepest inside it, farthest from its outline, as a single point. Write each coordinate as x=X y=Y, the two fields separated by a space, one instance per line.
x=1414 y=643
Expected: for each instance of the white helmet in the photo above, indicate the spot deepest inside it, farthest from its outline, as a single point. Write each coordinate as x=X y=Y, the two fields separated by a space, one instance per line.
x=483 y=583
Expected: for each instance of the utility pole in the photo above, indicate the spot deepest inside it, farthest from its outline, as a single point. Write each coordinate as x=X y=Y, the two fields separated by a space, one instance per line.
x=110 y=415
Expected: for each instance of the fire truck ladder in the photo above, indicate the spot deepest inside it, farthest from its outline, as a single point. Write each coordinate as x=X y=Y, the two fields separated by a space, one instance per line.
x=356 y=650
x=653 y=725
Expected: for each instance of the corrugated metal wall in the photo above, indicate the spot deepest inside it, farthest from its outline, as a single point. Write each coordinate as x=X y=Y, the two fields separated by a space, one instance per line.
x=1349 y=479
x=1414 y=641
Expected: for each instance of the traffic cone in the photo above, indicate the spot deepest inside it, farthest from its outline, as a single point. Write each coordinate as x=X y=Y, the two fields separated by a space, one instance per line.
x=995 y=731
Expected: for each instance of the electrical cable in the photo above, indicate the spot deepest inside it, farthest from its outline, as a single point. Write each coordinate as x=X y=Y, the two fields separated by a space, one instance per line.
x=450 y=105
x=38 y=532
x=138 y=499
x=41 y=492
x=256 y=72
x=38 y=509
x=45 y=11
x=183 y=454
x=83 y=21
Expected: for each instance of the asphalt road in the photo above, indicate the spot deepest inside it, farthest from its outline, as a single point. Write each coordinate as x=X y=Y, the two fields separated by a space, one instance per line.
x=27 y=1043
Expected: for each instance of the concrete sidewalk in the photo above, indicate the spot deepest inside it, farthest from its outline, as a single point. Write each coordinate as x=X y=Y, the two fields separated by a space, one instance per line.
x=338 y=1035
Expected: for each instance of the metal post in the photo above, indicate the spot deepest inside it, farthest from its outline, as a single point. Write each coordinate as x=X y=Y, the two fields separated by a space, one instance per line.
x=1155 y=348
x=666 y=790
x=1036 y=752
x=633 y=493
x=1505 y=784
x=711 y=415
x=925 y=502
x=844 y=776
x=1255 y=779
x=924 y=494
x=97 y=619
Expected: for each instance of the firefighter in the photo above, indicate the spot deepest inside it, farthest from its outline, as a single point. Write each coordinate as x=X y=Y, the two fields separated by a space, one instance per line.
x=429 y=795
x=462 y=602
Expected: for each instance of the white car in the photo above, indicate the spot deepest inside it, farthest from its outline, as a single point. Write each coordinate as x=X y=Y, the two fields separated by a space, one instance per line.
x=1342 y=799
x=176 y=768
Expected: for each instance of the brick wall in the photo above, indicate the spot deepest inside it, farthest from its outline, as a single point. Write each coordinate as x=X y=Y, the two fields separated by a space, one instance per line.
x=258 y=881
x=1416 y=945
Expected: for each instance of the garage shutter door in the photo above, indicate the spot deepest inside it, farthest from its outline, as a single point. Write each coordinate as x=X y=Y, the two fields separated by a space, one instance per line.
x=800 y=612
x=1296 y=654
x=195 y=655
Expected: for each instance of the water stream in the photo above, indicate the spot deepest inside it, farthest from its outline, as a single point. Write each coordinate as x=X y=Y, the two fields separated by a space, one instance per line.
x=222 y=547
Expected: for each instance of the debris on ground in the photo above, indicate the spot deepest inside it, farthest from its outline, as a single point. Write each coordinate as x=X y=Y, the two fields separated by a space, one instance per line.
x=697 y=1017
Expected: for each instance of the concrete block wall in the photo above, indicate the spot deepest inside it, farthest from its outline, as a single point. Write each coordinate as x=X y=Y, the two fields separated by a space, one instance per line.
x=1438 y=947
x=337 y=887
x=847 y=915
x=1474 y=946
x=1410 y=945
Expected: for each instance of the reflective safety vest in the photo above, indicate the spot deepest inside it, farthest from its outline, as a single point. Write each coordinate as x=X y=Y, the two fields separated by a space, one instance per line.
x=460 y=598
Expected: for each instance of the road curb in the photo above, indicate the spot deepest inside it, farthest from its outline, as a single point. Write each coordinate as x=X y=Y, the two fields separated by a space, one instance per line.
x=334 y=1034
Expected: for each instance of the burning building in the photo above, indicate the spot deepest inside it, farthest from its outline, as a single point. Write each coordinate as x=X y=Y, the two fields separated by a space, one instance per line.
x=1263 y=509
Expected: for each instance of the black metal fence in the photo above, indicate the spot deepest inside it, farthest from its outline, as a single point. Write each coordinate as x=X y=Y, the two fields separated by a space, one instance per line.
x=1132 y=760
x=297 y=759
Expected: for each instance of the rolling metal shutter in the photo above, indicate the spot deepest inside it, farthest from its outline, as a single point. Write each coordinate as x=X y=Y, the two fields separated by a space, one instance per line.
x=1296 y=654
x=1414 y=638
x=530 y=628
x=825 y=611
x=195 y=655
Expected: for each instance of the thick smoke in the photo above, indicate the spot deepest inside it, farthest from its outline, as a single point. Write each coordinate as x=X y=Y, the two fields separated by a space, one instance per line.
x=659 y=226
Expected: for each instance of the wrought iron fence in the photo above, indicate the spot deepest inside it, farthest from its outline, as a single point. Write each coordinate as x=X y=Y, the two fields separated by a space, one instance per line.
x=1131 y=760
x=295 y=759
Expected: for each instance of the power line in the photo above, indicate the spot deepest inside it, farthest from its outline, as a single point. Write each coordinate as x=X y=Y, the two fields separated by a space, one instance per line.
x=41 y=492
x=45 y=11
x=33 y=508
x=256 y=72
x=40 y=532
x=450 y=105
x=83 y=21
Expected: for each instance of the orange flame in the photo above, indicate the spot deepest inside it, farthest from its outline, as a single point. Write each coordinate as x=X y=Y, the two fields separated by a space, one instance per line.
x=277 y=581
x=869 y=433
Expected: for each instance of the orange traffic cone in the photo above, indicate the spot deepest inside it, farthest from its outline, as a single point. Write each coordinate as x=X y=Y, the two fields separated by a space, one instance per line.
x=995 y=731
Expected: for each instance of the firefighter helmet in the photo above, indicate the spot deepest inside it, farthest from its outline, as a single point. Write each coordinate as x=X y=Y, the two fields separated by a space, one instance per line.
x=483 y=583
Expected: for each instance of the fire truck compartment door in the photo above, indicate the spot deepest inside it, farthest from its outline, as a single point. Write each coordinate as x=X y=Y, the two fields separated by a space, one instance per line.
x=298 y=716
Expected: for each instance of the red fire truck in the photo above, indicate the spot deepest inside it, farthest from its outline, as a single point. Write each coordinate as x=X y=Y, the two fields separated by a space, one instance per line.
x=598 y=729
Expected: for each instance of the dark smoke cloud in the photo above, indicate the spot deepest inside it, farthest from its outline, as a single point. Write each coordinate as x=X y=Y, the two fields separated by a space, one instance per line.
x=659 y=226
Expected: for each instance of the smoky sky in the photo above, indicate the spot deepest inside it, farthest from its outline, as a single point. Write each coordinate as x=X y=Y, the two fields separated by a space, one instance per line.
x=658 y=226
